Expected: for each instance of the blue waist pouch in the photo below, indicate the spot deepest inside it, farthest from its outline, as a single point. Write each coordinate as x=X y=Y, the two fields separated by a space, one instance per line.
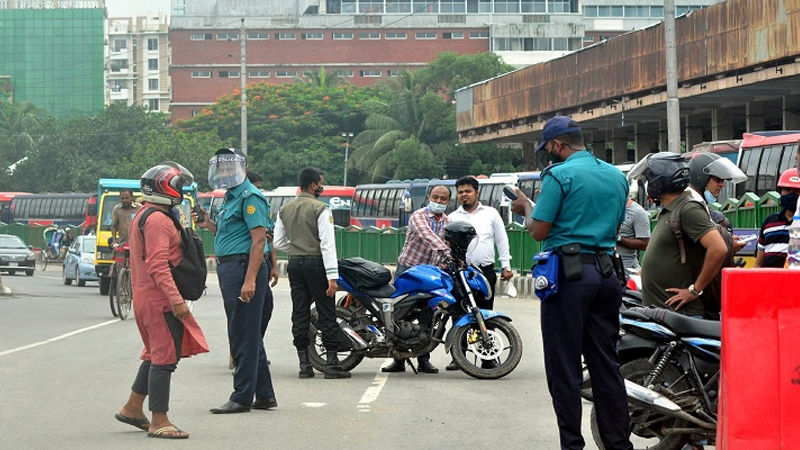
x=545 y=274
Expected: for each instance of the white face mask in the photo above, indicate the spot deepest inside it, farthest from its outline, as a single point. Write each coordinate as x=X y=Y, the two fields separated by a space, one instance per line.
x=437 y=208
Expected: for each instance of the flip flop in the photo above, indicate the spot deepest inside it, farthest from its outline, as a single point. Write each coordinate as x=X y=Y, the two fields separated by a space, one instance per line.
x=161 y=433
x=142 y=424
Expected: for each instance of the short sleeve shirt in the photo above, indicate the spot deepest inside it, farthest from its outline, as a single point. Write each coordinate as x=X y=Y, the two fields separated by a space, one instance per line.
x=121 y=218
x=636 y=225
x=584 y=199
x=245 y=208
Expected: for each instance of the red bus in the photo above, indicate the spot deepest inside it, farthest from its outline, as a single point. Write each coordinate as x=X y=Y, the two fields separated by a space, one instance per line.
x=5 y=205
x=764 y=156
x=339 y=198
x=54 y=209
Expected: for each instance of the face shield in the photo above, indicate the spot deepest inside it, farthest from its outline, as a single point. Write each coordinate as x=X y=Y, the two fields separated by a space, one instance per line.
x=227 y=171
x=725 y=169
x=639 y=171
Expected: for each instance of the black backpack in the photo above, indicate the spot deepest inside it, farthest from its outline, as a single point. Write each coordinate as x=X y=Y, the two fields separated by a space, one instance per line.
x=712 y=294
x=190 y=274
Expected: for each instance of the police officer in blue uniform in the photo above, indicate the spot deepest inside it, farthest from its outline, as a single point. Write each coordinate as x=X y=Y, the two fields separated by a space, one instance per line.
x=577 y=215
x=239 y=229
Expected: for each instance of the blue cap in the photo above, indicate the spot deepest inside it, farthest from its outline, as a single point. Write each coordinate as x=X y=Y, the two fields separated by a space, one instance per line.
x=558 y=126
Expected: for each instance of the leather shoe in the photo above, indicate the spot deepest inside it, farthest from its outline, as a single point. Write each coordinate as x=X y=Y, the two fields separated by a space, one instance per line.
x=452 y=366
x=426 y=367
x=265 y=404
x=231 y=407
x=398 y=365
x=490 y=364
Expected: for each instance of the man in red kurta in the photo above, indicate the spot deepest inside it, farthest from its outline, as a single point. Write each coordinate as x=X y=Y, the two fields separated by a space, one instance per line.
x=167 y=327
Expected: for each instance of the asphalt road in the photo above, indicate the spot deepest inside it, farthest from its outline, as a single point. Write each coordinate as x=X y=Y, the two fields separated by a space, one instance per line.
x=66 y=366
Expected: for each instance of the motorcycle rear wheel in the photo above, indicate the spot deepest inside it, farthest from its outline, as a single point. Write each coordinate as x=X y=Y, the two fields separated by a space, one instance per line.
x=505 y=349
x=647 y=427
x=348 y=358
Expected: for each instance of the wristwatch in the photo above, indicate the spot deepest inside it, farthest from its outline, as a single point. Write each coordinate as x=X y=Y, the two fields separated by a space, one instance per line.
x=695 y=291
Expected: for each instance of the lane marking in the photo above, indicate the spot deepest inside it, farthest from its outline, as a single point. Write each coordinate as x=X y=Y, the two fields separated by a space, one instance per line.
x=57 y=338
x=372 y=392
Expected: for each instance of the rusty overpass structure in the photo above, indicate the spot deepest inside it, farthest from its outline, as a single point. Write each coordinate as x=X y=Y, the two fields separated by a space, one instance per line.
x=738 y=71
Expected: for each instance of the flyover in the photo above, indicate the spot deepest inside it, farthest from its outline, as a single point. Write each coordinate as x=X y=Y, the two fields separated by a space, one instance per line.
x=738 y=71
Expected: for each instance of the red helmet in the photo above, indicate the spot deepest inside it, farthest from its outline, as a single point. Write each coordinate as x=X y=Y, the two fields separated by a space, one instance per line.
x=789 y=179
x=163 y=184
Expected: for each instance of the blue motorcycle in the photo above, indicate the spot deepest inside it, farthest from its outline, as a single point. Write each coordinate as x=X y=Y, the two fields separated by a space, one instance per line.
x=378 y=319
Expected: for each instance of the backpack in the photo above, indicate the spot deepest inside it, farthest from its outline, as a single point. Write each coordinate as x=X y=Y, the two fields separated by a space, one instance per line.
x=190 y=274
x=712 y=294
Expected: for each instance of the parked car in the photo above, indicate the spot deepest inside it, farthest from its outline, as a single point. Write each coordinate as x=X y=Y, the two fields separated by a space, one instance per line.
x=79 y=262
x=16 y=256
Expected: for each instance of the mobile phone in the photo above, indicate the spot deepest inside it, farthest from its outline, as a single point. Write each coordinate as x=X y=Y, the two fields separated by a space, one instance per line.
x=509 y=192
x=199 y=211
x=749 y=238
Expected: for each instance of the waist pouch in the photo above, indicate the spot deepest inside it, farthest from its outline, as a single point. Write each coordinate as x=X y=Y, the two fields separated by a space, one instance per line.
x=571 y=259
x=545 y=274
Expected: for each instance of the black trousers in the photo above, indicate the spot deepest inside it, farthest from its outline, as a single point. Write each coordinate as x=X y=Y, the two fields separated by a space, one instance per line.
x=583 y=318
x=491 y=276
x=154 y=380
x=309 y=282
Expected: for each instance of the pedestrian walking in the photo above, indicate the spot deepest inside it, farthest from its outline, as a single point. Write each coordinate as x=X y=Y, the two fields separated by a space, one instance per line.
x=166 y=325
x=577 y=216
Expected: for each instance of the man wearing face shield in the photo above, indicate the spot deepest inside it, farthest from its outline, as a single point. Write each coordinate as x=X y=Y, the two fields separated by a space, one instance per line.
x=239 y=228
x=577 y=217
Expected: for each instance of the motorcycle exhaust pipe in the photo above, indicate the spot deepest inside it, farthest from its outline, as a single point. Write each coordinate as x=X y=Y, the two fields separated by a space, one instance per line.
x=355 y=340
x=650 y=399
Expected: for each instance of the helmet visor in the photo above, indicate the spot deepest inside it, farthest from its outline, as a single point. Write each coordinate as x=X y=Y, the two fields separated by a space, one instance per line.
x=227 y=171
x=725 y=169
x=639 y=171
x=186 y=176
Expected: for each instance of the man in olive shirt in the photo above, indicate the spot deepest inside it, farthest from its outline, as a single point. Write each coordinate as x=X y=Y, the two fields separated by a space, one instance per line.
x=122 y=215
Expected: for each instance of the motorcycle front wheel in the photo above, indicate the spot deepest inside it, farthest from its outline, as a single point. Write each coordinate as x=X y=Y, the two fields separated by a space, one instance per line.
x=492 y=360
x=348 y=358
x=650 y=430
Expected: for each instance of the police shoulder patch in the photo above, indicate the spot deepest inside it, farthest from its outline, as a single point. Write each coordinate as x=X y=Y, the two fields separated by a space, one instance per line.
x=330 y=219
x=251 y=209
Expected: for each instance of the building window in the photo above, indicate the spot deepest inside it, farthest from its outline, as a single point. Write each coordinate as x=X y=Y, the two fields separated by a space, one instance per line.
x=588 y=39
x=258 y=74
x=152 y=104
x=369 y=36
x=120 y=45
x=479 y=35
x=312 y=36
x=395 y=35
x=258 y=36
x=201 y=74
x=453 y=35
x=118 y=65
x=285 y=73
x=285 y=36
x=227 y=36
x=196 y=112
x=370 y=73
x=152 y=84
x=394 y=73
x=345 y=73
x=342 y=36
x=152 y=44
x=426 y=35
x=152 y=64
x=229 y=74
x=201 y=36
x=119 y=85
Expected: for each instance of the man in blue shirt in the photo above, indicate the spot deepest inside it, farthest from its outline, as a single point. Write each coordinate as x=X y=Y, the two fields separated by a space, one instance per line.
x=580 y=208
x=239 y=229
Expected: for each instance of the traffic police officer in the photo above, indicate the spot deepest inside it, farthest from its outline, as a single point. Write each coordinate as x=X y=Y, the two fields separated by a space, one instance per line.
x=239 y=236
x=578 y=214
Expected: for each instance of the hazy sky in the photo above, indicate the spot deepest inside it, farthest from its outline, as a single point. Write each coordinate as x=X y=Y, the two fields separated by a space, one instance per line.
x=131 y=8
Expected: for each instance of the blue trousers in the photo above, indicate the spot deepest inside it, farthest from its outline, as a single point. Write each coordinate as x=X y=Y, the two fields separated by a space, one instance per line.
x=247 y=323
x=583 y=318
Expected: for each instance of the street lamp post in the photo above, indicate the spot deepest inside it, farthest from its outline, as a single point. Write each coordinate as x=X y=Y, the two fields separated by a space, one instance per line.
x=347 y=136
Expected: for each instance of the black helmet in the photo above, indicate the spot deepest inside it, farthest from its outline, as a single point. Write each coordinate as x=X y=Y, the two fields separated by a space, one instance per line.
x=163 y=184
x=459 y=234
x=664 y=172
x=705 y=165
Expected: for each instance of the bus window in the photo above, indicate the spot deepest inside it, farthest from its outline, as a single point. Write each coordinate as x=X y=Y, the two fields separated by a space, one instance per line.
x=768 y=169
x=749 y=165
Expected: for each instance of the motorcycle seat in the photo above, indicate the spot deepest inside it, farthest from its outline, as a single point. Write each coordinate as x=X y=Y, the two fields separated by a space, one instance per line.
x=381 y=292
x=680 y=324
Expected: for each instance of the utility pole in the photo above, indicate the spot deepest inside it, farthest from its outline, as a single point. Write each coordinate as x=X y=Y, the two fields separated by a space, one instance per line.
x=673 y=105
x=243 y=88
x=347 y=136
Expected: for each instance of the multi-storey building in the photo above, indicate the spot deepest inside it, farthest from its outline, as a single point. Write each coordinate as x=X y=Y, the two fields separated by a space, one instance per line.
x=137 y=69
x=53 y=57
x=366 y=40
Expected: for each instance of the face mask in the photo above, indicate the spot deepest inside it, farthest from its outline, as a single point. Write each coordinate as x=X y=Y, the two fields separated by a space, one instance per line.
x=709 y=198
x=789 y=201
x=318 y=192
x=437 y=208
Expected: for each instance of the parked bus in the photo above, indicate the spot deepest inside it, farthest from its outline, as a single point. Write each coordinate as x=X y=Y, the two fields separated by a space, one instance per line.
x=5 y=205
x=380 y=205
x=52 y=209
x=338 y=198
x=763 y=156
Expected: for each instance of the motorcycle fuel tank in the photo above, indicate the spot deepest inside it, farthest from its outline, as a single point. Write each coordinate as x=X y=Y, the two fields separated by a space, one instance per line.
x=422 y=278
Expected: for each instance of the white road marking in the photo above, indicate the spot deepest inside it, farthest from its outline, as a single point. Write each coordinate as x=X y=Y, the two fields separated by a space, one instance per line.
x=57 y=338
x=373 y=391
x=313 y=405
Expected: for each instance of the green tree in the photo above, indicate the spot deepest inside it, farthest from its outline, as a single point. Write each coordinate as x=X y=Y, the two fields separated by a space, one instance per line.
x=322 y=78
x=451 y=71
x=17 y=135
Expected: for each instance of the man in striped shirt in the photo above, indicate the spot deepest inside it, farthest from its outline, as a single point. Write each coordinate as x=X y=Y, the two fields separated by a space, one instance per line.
x=773 y=240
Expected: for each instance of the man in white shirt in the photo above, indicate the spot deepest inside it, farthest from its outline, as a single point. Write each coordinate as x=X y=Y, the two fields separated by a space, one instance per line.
x=491 y=233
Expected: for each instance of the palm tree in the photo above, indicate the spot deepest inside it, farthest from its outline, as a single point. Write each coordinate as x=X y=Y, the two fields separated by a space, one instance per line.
x=321 y=78
x=389 y=123
x=16 y=124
